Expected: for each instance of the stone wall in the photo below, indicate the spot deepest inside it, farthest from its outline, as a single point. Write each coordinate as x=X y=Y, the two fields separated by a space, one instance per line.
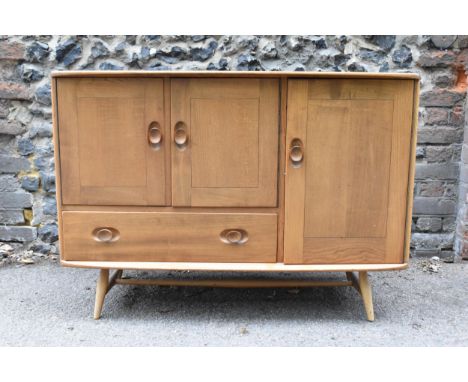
x=27 y=183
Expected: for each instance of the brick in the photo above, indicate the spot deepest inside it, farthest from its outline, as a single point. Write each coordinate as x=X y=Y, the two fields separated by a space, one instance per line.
x=441 y=97
x=429 y=224
x=436 y=116
x=439 y=135
x=11 y=51
x=451 y=190
x=436 y=59
x=8 y=183
x=457 y=116
x=433 y=206
x=432 y=241
x=435 y=188
x=462 y=59
x=463 y=173
x=456 y=148
x=420 y=152
x=437 y=171
x=443 y=41
x=11 y=90
x=15 y=200
x=439 y=154
x=462 y=41
x=18 y=233
x=11 y=217
x=464 y=155
x=444 y=80
x=449 y=223
x=9 y=164
x=11 y=128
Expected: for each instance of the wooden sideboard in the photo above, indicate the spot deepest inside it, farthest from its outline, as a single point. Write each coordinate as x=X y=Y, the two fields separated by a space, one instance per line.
x=235 y=171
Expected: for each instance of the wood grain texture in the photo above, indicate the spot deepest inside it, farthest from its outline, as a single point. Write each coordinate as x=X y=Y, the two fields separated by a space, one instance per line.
x=347 y=168
x=241 y=267
x=232 y=150
x=226 y=283
x=295 y=177
x=102 y=287
x=169 y=237
x=106 y=158
x=58 y=177
x=282 y=167
x=227 y=74
x=414 y=138
x=352 y=186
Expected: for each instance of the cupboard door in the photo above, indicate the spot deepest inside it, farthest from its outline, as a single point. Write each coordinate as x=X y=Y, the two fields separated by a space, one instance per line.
x=225 y=142
x=112 y=138
x=348 y=147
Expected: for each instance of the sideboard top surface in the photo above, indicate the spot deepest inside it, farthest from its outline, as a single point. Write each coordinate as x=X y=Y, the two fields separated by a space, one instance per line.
x=219 y=74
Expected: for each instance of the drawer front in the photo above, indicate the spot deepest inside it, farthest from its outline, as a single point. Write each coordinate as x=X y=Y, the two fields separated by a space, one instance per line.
x=169 y=236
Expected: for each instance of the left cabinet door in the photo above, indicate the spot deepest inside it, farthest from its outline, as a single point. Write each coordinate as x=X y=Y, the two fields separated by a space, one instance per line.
x=112 y=141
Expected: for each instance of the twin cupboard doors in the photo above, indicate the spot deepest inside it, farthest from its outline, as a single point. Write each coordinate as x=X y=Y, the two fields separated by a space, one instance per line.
x=116 y=137
x=214 y=142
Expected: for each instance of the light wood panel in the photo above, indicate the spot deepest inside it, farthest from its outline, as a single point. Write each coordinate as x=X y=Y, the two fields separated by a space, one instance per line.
x=241 y=267
x=227 y=74
x=414 y=138
x=169 y=237
x=105 y=154
x=232 y=129
x=347 y=167
x=346 y=201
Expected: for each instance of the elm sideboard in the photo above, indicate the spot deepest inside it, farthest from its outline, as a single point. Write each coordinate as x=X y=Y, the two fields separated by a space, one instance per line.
x=235 y=171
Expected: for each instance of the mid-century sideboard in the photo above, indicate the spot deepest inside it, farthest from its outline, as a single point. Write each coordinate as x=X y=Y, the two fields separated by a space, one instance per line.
x=235 y=171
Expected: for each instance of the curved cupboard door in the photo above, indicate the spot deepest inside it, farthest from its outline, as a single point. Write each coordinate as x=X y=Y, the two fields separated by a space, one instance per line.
x=348 y=155
x=224 y=142
x=112 y=137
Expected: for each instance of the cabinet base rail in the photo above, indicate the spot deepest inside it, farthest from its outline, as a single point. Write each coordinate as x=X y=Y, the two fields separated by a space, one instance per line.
x=360 y=282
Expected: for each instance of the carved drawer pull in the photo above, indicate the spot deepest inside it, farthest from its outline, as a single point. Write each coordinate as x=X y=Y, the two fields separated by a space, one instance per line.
x=234 y=236
x=106 y=234
x=296 y=152
x=155 y=135
x=180 y=135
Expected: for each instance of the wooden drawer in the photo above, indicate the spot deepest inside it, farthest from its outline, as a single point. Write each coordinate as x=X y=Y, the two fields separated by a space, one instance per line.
x=170 y=236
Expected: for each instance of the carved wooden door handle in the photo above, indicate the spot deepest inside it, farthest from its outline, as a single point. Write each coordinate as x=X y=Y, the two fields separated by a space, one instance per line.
x=234 y=236
x=155 y=135
x=106 y=234
x=296 y=152
x=180 y=135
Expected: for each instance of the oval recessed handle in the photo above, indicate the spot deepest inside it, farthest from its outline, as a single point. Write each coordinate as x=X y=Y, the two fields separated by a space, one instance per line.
x=234 y=236
x=296 y=152
x=155 y=135
x=180 y=135
x=106 y=234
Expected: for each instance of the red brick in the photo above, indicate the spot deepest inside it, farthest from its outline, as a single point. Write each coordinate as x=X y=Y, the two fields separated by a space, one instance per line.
x=11 y=90
x=11 y=50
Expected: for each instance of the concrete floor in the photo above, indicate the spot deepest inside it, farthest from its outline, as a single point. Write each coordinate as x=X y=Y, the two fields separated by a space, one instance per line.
x=48 y=305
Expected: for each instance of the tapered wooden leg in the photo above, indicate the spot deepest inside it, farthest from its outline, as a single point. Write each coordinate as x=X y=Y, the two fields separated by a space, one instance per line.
x=366 y=293
x=101 y=290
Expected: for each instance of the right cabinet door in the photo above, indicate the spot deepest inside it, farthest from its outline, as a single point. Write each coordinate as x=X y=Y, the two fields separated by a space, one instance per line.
x=348 y=148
